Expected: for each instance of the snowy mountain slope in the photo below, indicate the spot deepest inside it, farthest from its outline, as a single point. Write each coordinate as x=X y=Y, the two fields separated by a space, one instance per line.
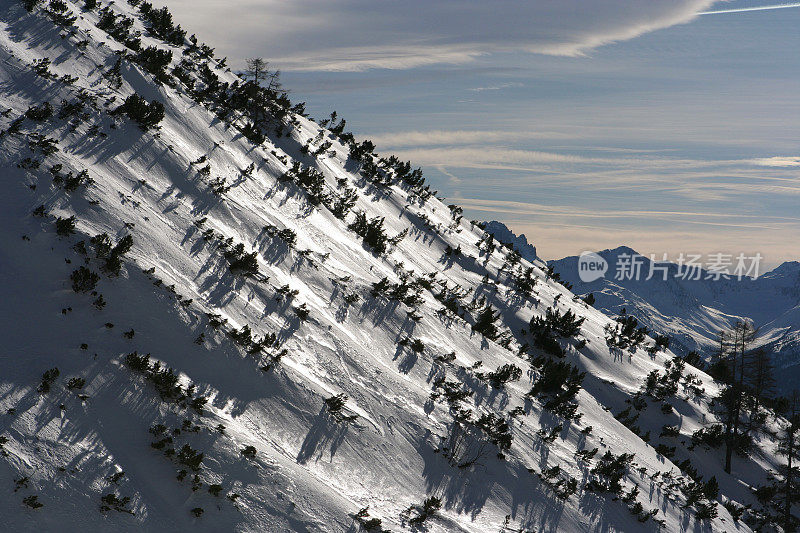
x=178 y=299
x=693 y=312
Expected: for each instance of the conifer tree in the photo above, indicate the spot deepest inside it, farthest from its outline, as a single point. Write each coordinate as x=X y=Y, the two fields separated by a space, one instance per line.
x=485 y=322
x=146 y=115
x=734 y=348
x=789 y=447
x=760 y=381
x=256 y=69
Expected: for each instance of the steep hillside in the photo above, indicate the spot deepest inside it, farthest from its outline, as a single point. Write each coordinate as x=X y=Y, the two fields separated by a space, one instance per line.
x=223 y=316
x=693 y=312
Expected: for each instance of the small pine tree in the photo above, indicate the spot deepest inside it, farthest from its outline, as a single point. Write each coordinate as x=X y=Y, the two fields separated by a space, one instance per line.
x=557 y=385
x=40 y=113
x=65 y=226
x=302 y=312
x=371 y=231
x=485 y=322
x=155 y=60
x=76 y=383
x=113 y=257
x=32 y=501
x=241 y=262
x=335 y=405
x=249 y=452
x=48 y=378
x=428 y=508
x=146 y=115
x=84 y=280
x=503 y=375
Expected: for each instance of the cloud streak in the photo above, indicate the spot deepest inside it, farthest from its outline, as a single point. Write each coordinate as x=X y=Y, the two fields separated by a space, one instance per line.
x=355 y=35
x=465 y=155
x=746 y=9
x=777 y=162
x=496 y=87
x=458 y=137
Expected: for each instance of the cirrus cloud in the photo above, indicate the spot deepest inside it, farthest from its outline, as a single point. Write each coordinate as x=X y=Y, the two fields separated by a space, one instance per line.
x=353 y=35
x=777 y=162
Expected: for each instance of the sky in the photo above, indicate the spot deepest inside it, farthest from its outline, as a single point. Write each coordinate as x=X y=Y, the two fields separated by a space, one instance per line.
x=583 y=124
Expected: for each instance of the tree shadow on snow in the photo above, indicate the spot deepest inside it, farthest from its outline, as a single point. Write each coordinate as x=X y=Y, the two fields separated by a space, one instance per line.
x=466 y=491
x=325 y=434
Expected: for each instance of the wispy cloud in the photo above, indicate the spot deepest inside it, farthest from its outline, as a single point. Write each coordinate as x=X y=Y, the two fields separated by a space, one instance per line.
x=356 y=35
x=458 y=137
x=357 y=59
x=746 y=9
x=454 y=180
x=733 y=219
x=495 y=87
x=777 y=162
x=593 y=167
x=501 y=157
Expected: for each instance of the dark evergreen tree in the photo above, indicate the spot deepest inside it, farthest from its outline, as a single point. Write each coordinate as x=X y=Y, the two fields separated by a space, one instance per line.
x=48 y=378
x=83 y=280
x=760 y=382
x=146 y=115
x=503 y=375
x=557 y=385
x=60 y=13
x=155 y=61
x=241 y=262
x=65 y=226
x=161 y=25
x=731 y=401
x=119 y=27
x=485 y=322
x=789 y=447
x=113 y=258
x=40 y=113
x=371 y=230
x=30 y=5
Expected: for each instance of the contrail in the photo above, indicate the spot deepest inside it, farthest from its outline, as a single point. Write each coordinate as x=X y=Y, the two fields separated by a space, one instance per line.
x=757 y=8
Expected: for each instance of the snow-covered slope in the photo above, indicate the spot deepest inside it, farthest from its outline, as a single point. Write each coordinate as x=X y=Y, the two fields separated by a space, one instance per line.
x=693 y=311
x=270 y=352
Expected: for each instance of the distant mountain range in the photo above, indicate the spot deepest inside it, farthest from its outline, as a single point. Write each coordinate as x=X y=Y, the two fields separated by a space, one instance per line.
x=693 y=312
